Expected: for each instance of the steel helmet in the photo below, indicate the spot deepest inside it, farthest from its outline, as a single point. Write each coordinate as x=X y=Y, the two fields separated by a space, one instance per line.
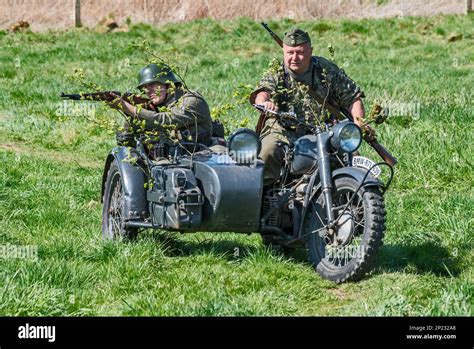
x=154 y=73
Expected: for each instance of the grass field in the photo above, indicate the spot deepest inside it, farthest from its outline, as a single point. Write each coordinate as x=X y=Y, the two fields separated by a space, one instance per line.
x=51 y=168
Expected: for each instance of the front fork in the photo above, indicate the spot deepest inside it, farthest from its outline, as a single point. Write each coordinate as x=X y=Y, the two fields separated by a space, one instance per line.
x=325 y=176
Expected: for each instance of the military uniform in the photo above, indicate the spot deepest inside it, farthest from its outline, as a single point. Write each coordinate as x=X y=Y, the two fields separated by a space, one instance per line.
x=184 y=111
x=289 y=91
x=187 y=112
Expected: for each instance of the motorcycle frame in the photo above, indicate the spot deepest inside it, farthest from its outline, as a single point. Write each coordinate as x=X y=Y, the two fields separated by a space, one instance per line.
x=325 y=186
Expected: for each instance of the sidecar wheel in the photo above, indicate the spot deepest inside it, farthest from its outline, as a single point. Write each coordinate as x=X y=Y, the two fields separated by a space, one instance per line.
x=113 y=227
x=359 y=234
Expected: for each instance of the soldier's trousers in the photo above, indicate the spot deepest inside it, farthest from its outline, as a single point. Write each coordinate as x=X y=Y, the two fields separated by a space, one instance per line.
x=273 y=156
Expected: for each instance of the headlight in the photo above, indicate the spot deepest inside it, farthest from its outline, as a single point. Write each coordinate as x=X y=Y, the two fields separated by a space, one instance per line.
x=346 y=137
x=244 y=145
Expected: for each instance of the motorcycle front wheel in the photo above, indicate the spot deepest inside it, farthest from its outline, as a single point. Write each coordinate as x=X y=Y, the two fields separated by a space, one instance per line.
x=113 y=227
x=349 y=253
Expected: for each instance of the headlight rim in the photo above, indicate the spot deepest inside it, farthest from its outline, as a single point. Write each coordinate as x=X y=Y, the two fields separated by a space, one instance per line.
x=336 y=141
x=247 y=131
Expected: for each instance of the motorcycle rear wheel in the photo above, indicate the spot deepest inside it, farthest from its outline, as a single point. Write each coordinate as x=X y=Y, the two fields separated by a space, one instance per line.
x=360 y=232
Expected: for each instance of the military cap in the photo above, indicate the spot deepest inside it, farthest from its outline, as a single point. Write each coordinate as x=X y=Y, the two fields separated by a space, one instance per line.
x=295 y=37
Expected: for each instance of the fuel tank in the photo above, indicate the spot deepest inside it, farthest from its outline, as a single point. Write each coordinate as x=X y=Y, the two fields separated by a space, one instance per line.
x=305 y=155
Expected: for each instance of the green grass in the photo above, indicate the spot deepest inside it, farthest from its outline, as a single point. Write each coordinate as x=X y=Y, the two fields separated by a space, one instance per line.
x=51 y=168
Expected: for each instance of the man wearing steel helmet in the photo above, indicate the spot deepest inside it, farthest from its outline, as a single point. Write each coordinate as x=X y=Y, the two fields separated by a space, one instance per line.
x=285 y=87
x=175 y=107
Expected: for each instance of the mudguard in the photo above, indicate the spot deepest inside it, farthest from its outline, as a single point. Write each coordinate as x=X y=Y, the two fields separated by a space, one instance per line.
x=133 y=180
x=358 y=174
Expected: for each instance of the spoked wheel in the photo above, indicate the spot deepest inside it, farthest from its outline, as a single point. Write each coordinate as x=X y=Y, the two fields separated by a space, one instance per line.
x=349 y=253
x=113 y=227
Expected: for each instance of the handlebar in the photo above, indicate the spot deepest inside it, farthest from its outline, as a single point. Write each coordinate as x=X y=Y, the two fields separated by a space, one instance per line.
x=262 y=108
x=290 y=116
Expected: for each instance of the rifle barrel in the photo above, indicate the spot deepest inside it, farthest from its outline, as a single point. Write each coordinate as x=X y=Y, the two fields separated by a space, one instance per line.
x=274 y=36
x=73 y=96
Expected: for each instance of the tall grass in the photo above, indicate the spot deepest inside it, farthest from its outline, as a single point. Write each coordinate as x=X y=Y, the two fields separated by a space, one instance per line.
x=59 y=14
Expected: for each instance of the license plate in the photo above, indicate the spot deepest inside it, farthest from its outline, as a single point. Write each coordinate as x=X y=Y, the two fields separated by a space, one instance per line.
x=360 y=161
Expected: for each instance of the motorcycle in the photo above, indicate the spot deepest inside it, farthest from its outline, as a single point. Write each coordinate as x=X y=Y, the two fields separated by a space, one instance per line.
x=326 y=199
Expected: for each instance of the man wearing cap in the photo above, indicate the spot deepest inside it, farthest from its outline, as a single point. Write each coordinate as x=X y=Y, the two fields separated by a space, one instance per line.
x=284 y=87
x=175 y=107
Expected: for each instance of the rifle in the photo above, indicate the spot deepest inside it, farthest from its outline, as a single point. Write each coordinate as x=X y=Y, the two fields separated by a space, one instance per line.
x=338 y=112
x=274 y=36
x=109 y=96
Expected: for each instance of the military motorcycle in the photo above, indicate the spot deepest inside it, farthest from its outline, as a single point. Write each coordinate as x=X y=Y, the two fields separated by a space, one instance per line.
x=326 y=200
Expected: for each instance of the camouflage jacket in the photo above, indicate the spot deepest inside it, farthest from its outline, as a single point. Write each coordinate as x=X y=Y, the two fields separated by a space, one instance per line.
x=290 y=92
x=182 y=111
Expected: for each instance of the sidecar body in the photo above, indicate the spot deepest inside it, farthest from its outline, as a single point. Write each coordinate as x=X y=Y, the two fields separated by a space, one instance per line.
x=205 y=191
